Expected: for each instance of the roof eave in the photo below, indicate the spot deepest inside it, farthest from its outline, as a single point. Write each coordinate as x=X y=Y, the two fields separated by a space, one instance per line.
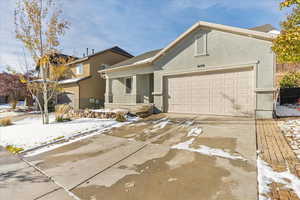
x=235 y=30
x=125 y=67
x=78 y=61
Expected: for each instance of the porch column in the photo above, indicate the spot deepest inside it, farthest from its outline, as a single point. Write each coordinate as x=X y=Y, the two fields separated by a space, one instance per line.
x=134 y=88
x=108 y=92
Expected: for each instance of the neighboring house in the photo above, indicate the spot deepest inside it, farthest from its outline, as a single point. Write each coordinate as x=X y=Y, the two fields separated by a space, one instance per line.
x=266 y=28
x=209 y=69
x=84 y=87
x=3 y=99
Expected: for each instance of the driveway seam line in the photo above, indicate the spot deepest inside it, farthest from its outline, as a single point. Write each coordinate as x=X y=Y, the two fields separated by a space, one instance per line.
x=47 y=193
x=52 y=179
x=110 y=166
x=117 y=162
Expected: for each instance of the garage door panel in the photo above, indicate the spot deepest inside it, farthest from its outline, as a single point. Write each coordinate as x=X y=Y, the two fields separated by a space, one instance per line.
x=228 y=93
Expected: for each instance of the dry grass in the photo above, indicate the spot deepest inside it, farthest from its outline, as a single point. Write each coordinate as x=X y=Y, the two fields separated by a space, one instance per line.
x=5 y=121
x=120 y=117
x=13 y=149
x=61 y=112
x=13 y=104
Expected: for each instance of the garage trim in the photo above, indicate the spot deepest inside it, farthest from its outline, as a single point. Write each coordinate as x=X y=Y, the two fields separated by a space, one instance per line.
x=252 y=66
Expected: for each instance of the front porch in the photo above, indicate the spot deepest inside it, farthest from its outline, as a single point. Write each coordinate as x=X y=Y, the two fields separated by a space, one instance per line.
x=129 y=92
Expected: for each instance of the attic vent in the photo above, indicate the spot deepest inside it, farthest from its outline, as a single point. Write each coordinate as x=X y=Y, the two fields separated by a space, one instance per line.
x=201 y=44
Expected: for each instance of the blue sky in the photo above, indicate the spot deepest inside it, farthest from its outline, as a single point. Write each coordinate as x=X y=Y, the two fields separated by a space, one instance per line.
x=136 y=25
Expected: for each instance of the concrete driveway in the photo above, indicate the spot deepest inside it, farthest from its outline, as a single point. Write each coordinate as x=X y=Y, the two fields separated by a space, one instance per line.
x=163 y=157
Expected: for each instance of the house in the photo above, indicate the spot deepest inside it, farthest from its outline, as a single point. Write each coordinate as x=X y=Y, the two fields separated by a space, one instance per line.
x=209 y=69
x=84 y=88
x=3 y=99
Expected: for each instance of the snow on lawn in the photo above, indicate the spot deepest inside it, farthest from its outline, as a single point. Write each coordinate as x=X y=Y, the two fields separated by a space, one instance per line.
x=287 y=110
x=207 y=150
x=10 y=114
x=291 y=130
x=266 y=175
x=30 y=132
x=6 y=111
x=8 y=106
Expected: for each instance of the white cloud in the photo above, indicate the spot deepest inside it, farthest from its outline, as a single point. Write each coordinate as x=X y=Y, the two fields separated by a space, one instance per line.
x=269 y=5
x=136 y=26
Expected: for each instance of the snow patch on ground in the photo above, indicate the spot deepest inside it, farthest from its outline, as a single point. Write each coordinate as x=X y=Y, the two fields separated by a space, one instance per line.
x=161 y=124
x=287 y=110
x=30 y=132
x=207 y=150
x=10 y=114
x=7 y=111
x=266 y=175
x=194 y=132
x=8 y=106
x=291 y=130
x=188 y=123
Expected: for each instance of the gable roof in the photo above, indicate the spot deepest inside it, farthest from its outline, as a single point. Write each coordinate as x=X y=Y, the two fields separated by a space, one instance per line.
x=140 y=59
x=263 y=28
x=114 y=49
x=230 y=29
x=202 y=24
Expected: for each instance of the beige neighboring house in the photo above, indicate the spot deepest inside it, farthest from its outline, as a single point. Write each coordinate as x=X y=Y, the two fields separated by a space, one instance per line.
x=210 y=69
x=84 y=88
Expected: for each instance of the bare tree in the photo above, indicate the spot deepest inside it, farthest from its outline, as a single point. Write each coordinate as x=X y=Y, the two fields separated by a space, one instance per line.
x=39 y=26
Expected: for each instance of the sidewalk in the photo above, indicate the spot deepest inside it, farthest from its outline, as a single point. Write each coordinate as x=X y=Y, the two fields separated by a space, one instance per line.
x=274 y=149
x=18 y=180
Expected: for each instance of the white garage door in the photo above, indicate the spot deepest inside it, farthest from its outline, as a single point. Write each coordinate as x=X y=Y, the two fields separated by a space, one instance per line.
x=226 y=93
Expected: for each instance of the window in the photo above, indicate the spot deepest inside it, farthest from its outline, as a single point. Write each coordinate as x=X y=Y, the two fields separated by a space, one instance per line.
x=200 y=44
x=128 y=83
x=79 y=69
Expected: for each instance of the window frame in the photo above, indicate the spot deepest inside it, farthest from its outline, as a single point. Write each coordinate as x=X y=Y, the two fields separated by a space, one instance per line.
x=79 y=66
x=204 y=38
x=126 y=88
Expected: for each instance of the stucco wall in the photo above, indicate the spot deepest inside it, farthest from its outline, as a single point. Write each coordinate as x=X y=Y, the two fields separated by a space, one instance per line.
x=144 y=88
x=140 y=85
x=93 y=87
x=74 y=89
x=224 y=49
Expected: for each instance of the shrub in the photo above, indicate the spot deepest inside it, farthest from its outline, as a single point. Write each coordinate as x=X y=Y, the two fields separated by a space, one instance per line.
x=13 y=149
x=13 y=104
x=61 y=112
x=290 y=80
x=120 y=117
x=5 y=121
x=62 y=119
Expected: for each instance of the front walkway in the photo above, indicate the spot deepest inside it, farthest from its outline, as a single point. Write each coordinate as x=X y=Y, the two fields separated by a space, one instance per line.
x=274 y=149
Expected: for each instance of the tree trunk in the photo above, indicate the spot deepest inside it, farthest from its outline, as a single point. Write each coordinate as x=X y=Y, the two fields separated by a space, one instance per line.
x=45 y=94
